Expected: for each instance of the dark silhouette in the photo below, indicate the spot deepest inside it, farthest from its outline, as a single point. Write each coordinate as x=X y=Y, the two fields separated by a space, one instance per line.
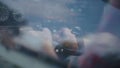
x=10 y=20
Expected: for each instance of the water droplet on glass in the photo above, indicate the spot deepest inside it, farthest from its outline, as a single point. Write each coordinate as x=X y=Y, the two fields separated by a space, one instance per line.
x=39 y=27
x=57 y=50
x=4 y=14
x=17 y=16
x=78 y=28
x=62 y=50
x=54 y=31
x=72 y=10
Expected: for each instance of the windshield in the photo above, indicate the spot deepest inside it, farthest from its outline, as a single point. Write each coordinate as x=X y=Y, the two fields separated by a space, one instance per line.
x=81 y=16
x=41 y=33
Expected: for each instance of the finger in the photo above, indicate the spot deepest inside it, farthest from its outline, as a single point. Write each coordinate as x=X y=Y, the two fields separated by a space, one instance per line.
x=69 y=35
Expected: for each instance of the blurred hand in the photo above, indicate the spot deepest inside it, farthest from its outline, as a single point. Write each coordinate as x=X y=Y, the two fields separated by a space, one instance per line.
x=39 y=41
x=67 y=38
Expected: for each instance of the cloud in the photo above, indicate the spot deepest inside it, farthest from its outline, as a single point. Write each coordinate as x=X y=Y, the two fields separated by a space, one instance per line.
x=101 y=44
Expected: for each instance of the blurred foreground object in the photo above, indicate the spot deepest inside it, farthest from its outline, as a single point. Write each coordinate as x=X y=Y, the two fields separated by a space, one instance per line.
x=115 y=3
x=68 y=45
x=10 y=28
x=66 y=49
x=20 y=55
x=26 y=58
x=101 y=50
x=38 y=41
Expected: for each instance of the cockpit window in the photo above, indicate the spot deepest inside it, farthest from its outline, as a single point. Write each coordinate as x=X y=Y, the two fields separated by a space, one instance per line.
x=58 y=33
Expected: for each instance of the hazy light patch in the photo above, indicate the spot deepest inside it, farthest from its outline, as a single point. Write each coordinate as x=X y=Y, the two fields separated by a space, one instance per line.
x=101 y=44
x=51 y=9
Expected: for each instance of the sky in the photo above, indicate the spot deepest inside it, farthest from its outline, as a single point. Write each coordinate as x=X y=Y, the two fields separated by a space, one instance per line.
x=81 y=16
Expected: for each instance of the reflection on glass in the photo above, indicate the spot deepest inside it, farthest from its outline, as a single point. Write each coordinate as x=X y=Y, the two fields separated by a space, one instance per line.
x=59 y=33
